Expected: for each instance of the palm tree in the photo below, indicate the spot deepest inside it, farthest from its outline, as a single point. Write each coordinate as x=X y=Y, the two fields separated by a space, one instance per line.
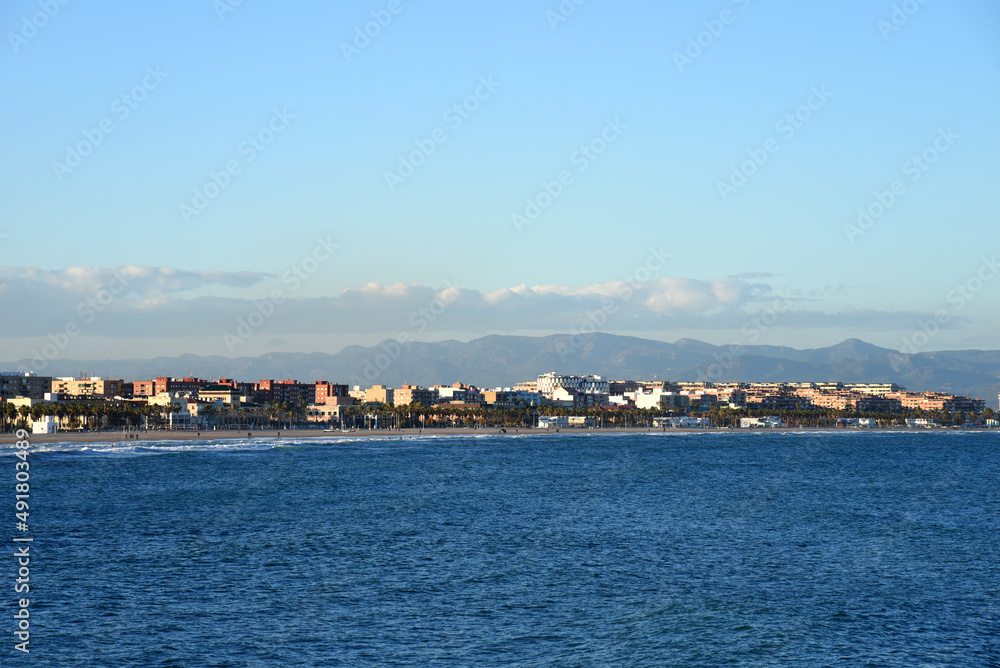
x=24 y=412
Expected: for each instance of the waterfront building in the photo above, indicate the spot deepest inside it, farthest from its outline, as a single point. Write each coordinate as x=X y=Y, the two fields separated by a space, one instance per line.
x=414 y=394
x=287 y=391
x=682 y=422
x=47 y=425
x=151 y=388
x=226 y=394
x=936 y=401
x=572 y=398
x=659 y=398
x=877 y=389
x=459 y=394
x=323 y=391
x=86 y=388
x=378 y=394
x=547 y=384
x=769 y=422
x=620 y=387
x=24 y=384
x=509 y=397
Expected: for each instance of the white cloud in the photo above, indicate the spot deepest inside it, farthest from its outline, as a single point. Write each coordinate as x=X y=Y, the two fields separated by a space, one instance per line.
x=130 y=280
x=162 y=302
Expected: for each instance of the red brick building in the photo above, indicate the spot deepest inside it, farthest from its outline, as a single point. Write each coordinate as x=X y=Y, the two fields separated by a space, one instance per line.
x=150 y=388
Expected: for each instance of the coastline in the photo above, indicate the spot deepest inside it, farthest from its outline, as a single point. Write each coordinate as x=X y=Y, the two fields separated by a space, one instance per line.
x=84 y=438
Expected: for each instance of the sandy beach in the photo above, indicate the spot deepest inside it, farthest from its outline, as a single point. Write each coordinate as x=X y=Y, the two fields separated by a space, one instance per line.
x=381 y=434
x=292 y=434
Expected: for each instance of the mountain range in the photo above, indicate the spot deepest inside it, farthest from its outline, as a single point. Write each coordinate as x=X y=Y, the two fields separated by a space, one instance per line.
x=501 y=361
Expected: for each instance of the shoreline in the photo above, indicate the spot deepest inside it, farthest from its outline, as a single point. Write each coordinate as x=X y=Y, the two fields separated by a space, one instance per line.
x=386 y=434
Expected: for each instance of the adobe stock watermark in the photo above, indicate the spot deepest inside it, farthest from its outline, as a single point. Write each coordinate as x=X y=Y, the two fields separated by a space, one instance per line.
x=751 y=332
x=295 y=276
x=915 y=167
x=363 y=35
x=88 y=311
x=562 y=13
x=223 y=7
x=30 y=26
x=248 y=150
x=121 y=108
x=899 y=17
x=957 y=299
x=787 y=126
x=586 y=155
x=22 y=498
x=595 y=321
x=420 y=320
x=696 y=44
x=454 y=116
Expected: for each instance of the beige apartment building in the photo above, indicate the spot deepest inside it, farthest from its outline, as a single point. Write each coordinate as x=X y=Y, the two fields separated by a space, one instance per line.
x=414 y=394
x=86 y=388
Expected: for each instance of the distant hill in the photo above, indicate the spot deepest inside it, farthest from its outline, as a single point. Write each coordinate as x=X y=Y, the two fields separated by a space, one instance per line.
x=495 y=361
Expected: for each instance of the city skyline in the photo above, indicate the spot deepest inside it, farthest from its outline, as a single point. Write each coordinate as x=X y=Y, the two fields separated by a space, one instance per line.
x=304 y=179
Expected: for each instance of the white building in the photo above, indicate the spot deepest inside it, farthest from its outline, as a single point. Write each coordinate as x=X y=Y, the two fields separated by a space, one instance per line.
x=47 y=425
x=552 y=421
x=547 y=384
x=465 y=395
x=658 y=398
x=769 y=422
x=682 y=422
x=571 y=398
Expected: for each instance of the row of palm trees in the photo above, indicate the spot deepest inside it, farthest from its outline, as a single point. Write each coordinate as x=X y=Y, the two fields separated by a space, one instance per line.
x=386 y=416
x=279 y=415
x=108 y=415
x=80 y=415
x=273 y=415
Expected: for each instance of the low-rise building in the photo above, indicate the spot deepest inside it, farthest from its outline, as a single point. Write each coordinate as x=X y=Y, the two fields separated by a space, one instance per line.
x=769 y=422
x=47 y=425
x=566 y=422
x=226 y=394
x=682 y=422
x=329 y=412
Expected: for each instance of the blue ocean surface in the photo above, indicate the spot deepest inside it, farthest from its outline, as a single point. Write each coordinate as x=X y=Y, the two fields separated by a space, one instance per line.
x=711 y=549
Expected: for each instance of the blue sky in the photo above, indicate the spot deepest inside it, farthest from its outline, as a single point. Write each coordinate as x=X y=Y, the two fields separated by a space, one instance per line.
x=311 y=118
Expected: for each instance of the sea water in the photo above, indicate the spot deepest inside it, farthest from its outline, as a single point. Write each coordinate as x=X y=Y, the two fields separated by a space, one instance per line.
x=710 y=549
